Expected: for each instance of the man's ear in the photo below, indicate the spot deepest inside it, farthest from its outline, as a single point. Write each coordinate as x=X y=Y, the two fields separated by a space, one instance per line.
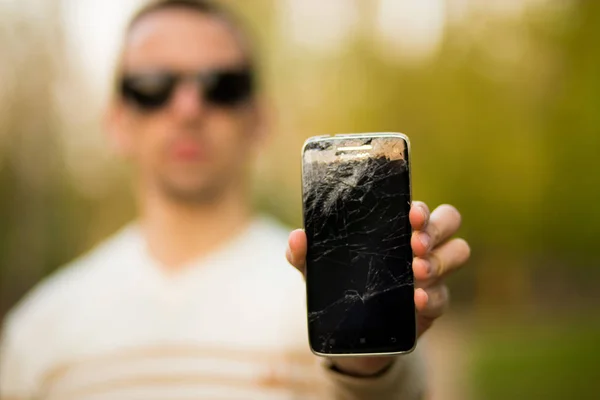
x=115 y=127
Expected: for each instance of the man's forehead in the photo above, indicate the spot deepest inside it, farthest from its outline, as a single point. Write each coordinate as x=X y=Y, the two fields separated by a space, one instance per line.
x=183 y=38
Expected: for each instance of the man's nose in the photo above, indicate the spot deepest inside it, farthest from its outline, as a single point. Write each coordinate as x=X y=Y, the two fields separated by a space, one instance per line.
x=188 y=101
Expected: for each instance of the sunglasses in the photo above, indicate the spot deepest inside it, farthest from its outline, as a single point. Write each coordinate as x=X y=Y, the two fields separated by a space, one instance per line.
x=150 y=91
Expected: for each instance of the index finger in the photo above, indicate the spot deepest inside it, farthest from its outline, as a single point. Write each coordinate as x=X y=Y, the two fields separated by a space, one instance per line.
x=418 y=215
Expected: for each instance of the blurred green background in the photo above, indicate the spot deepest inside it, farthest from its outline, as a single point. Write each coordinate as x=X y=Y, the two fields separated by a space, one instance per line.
x=501 y=100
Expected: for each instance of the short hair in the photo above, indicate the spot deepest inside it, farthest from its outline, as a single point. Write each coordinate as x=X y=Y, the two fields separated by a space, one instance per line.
x=203 y=6
x=206 y=7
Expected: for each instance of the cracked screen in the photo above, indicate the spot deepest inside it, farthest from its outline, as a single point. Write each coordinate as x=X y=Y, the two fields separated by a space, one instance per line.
x=360 y=292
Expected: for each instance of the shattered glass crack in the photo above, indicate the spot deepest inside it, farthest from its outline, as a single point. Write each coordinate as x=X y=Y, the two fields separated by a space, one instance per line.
x=356 y=219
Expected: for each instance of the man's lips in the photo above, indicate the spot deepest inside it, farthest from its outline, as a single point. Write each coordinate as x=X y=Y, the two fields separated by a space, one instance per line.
x=187 y=150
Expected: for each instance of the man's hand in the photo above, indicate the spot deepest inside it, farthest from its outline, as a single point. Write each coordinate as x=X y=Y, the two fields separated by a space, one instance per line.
x=437 y=255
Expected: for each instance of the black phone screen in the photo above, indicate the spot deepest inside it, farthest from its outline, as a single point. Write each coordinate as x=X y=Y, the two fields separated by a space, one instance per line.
x=360 y=292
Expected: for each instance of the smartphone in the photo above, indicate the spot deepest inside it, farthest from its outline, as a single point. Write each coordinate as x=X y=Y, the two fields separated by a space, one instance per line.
x=359 y=279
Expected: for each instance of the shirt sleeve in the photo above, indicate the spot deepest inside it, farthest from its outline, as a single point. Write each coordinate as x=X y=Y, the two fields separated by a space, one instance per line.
x=404 y=380
x=15 y=381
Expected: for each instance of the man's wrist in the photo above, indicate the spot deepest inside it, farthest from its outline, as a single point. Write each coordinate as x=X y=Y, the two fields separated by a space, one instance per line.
x=362 y=367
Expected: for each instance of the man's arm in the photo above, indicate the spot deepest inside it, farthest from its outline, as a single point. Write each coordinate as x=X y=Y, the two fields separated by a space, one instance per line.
x=403 y=379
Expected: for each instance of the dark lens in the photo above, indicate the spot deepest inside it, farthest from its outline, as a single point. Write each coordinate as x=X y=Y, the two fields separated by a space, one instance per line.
x=148 y=91
x=228 y=88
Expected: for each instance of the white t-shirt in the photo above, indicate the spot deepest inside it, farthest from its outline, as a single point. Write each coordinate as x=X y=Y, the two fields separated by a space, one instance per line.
x=231 y=325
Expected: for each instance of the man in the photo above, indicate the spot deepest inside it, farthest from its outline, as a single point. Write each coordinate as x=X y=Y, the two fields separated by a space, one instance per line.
x=194 y=300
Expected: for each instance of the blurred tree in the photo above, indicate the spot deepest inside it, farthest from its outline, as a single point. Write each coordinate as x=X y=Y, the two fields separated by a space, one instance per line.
x=571 y=118
x=29 y=173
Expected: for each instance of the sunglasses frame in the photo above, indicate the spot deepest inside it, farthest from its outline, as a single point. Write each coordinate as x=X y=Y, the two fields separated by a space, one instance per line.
x=220 y=87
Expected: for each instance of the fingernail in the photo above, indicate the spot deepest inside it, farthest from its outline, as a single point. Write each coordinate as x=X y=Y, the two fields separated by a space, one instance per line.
x=423 y=213
x=424 y=238
x=288 y=254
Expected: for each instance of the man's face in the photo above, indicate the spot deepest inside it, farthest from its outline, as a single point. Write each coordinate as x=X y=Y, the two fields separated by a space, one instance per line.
x=189 y=148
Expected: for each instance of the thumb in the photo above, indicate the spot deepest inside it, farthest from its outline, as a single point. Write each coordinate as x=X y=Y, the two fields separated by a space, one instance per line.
x=296 y=250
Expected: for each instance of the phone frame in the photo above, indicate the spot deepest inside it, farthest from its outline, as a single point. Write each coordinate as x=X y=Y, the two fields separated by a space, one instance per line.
x=341 y=136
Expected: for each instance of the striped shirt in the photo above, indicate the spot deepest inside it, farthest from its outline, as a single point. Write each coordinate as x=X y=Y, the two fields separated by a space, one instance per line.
x=231 y=325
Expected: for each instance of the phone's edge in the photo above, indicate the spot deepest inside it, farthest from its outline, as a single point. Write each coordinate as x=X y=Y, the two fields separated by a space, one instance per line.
x=320 y=138
x=345 y=355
